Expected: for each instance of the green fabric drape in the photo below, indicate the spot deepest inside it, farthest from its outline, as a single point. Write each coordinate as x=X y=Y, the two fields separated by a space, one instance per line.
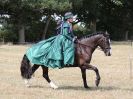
x=54 y=52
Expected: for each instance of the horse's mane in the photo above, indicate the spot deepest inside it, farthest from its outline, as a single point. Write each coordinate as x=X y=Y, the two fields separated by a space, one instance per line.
x=90 y=35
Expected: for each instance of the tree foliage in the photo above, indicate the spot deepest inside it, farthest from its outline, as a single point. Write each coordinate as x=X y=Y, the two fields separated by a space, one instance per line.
x=32 y=18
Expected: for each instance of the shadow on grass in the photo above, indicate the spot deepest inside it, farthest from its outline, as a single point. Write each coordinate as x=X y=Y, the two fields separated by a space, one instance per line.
x=36 y=86
x=101 y=88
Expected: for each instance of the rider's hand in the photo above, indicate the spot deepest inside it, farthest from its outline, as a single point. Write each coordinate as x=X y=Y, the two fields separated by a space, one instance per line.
x=75 y=40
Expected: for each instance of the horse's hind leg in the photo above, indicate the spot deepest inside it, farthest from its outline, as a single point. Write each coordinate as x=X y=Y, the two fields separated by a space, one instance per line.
x=46 y=76
x=33 y=69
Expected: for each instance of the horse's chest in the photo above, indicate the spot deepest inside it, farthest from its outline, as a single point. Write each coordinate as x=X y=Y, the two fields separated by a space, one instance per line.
x=84 y=58
x=84 y=55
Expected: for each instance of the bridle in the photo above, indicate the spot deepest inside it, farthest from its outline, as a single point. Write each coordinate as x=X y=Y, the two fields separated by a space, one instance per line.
x=105 y=48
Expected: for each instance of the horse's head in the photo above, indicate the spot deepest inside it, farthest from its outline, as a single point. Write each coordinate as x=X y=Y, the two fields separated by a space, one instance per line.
x=104 y=43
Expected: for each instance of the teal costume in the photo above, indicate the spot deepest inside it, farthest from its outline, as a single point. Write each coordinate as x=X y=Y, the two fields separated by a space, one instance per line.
x=56 y=51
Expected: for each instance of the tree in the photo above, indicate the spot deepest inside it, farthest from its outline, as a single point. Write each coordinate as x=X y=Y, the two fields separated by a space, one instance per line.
x=86 y=11
x=115 y=16
x=112 y=15
x=24 y=12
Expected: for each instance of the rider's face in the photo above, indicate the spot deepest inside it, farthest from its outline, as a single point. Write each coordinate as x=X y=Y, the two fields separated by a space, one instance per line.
x=70 y=20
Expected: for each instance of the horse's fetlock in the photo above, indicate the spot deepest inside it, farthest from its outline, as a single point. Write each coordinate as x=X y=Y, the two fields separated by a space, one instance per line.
x=98 y=78
x=45 y=76
x=96 y=69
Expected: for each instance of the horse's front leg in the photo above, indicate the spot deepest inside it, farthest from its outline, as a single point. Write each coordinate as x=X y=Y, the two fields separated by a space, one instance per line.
x=90 y=67
x=83 y=71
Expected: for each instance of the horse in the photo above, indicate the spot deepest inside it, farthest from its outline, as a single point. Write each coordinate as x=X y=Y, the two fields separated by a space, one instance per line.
x=84 y=49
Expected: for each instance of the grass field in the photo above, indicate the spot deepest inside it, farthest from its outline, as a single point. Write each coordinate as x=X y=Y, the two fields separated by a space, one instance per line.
x=114 y=71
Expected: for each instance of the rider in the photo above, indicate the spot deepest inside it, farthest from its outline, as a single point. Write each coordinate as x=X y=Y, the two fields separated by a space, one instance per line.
x=57 y=51
x=67 y=24
x=68 y=19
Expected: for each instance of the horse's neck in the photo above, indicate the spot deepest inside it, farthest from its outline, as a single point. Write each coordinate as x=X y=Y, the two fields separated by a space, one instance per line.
x=90 y=42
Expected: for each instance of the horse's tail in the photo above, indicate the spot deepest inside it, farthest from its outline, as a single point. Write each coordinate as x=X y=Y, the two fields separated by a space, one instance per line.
x=25 y=68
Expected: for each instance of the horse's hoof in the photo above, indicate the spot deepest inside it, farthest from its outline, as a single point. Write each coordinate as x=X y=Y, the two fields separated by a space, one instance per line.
x=87 y=87
x=53 y=85
x=28 y=86
x=97 y=82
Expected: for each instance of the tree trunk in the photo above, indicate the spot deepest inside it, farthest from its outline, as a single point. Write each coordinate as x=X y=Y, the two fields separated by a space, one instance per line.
x=126 y=35
x=93 y=26
x=46 y=27
x=21 y=34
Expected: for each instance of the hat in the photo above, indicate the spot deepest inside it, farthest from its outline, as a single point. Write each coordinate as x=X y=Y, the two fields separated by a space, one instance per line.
x=68 y=15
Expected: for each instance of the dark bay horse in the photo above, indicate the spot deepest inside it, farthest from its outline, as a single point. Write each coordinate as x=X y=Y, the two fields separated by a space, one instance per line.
x=83 y=54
